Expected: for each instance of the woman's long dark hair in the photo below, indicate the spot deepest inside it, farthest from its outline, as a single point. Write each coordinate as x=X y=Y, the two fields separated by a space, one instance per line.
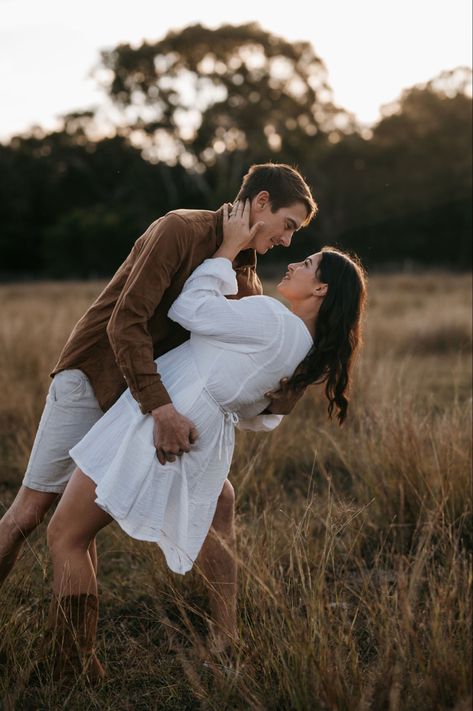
x=337 y=330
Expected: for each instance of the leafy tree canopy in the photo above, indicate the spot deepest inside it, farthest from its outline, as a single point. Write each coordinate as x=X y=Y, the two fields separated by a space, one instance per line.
x=198 y=93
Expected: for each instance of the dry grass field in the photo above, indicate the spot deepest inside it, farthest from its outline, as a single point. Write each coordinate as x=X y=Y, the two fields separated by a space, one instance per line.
x=354 y=543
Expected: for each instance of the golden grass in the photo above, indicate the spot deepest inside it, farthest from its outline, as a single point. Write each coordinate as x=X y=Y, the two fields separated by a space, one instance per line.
x=354 y=543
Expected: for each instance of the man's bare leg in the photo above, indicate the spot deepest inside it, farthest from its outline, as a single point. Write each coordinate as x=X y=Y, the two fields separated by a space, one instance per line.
x=25 y=513
x=217 y=562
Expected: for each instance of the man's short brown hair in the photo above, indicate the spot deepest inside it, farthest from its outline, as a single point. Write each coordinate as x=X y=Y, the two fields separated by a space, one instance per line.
x=284 y=184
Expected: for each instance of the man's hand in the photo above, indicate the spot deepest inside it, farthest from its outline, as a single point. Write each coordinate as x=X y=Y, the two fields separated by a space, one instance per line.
x=284 y=399
x=173 y=433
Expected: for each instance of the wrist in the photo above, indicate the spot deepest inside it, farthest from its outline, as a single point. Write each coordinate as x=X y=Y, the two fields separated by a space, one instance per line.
x=161 y=411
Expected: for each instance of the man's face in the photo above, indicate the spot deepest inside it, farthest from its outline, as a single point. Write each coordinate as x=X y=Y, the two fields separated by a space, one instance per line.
x=278 y=226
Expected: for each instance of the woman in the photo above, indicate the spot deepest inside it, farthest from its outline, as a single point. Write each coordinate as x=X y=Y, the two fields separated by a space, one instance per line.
x=237 y=352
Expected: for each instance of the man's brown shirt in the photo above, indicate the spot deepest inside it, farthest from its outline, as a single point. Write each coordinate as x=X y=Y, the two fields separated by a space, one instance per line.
x=126 y=328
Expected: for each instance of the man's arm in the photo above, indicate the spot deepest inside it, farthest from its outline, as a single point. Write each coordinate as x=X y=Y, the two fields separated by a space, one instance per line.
x=160 y=258
x=128 y=327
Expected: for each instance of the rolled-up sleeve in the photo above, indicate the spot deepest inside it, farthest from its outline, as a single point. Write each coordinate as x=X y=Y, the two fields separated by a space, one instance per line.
x=128 y=328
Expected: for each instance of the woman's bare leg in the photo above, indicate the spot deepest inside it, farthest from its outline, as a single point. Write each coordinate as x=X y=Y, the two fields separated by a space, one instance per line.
x=71 y=534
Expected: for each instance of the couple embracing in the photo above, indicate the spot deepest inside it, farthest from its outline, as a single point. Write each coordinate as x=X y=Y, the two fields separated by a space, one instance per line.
x=179 y=349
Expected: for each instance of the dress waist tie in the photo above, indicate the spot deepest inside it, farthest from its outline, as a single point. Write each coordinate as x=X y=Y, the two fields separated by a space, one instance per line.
x=230 y=419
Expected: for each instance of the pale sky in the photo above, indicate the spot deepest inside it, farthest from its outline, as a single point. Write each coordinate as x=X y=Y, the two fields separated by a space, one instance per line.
x=373 y=49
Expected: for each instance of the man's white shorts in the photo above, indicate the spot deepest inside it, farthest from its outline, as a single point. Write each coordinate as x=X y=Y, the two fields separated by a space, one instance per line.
x=70 y=411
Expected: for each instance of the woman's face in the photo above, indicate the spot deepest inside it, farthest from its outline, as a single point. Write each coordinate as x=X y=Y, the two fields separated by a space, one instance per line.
x=301 y=280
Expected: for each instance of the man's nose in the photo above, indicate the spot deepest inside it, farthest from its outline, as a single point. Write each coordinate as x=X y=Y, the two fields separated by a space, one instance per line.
x=286 y=240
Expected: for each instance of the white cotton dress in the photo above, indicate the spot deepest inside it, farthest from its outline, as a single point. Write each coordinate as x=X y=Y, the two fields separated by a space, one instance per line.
x=238 y=350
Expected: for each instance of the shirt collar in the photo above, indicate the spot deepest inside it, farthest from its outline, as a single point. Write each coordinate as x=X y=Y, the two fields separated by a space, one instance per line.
x=245 y=258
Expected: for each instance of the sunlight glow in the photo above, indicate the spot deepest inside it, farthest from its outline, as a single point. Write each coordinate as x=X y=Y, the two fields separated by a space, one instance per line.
x=372 y=50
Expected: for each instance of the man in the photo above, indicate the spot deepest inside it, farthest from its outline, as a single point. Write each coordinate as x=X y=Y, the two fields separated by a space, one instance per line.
x=114 y=345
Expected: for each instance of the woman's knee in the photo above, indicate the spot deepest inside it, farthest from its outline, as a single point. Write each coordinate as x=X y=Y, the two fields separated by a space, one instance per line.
x=54 y=533
x=62 y=534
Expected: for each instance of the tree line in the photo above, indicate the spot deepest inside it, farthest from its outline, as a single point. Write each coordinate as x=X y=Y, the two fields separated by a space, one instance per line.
x=187 y=115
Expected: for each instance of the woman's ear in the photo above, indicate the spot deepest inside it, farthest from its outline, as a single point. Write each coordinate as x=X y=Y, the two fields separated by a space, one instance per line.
x=320 y=290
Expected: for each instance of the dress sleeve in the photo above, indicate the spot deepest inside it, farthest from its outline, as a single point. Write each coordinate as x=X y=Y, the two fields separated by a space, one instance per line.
x=260 y=423
x=202 y=308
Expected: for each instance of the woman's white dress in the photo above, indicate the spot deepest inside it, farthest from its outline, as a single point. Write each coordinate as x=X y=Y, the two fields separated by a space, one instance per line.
x=238 y=351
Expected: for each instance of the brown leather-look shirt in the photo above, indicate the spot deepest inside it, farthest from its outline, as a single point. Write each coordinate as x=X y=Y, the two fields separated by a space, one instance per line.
x=126 y=328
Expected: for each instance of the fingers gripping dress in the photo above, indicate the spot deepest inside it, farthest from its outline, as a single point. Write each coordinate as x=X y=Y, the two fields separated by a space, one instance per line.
x=237 y=351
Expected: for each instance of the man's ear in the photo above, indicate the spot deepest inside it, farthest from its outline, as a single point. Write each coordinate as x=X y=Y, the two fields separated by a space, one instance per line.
x=261 y=199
